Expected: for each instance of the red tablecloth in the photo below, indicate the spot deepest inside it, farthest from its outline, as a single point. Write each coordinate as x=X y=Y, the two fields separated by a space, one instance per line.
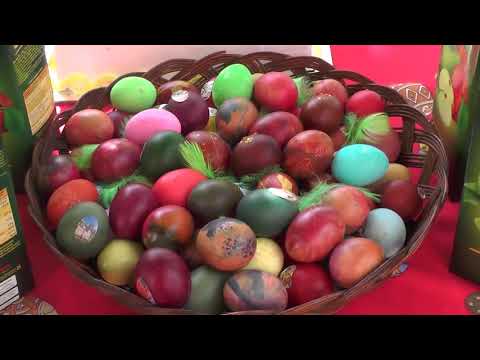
x=427 y=287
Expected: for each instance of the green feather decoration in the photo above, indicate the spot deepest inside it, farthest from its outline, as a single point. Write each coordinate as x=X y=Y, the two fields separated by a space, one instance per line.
x=194 y=159
x=107 y=192
x=250 y=181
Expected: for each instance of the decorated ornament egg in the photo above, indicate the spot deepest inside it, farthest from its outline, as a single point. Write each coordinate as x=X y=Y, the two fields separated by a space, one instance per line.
x=226 y=244
x=142 y=126
x=268 y=257
x=279 y=181
x=250 y=290
x=169 y=227
x=233 y=81
x=387 y=228
x=174 y=187
x=255 y=153
x=267 y=211
x=234 y=119
x=206 y=296
x=215 y=150
x=117 y=261
x=359 y=164
x=133 y=94
x=83 y=231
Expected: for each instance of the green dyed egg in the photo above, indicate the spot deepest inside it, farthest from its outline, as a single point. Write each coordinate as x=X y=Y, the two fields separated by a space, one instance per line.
x=83 y=231
x=206 y=296
x=161 y=154
x=267 y=211
x=133 y=94
x=233 y=81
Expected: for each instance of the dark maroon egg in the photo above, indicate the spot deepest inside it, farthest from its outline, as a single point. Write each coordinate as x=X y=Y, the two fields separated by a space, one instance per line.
x=251 y=290
x=114 y=159
x=215 y=149
x=234 y=119
x=190 y=109
x=308 y=154
x=322 y=112
x=280 y=125
x=402 y=197
x=57 y=171
x=129 y=209
x=163 y=278
x=165 y=91
x=255 y=153
x=120 y=120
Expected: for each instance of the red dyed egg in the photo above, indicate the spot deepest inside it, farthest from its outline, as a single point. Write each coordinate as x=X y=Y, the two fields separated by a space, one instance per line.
x=353 y=259
x=322 y=112
x=166 y=90
x=278 y=181
x=129 y=209
x=114 y=159
x=351 y=204
x=308 y=154
x=89 y=126
x=234 y=119
x=331 y=87
x=67 y=196
x=338 y=138
x=365 y=102
x=313 y=233
x=255 y=153
x=57 y=171
x=305 y=282
x=174 y=187
x=168 y=226
x=215 y=150
x=255 y=290
x=276 y=91
x=402 y=197
x=226 y=244
x=163 y=278
x=191 y=255
x=280 y=125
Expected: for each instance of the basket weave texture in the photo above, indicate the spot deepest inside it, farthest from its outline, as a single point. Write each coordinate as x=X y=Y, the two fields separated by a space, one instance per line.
x=416 y=129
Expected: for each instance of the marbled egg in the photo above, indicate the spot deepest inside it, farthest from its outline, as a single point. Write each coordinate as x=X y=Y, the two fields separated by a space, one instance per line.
x=387 y=228
x=133 y=94
x=147 y=123
x=359 y=165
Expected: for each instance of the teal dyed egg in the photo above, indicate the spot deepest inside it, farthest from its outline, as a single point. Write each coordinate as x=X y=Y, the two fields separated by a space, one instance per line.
x=233 y=81
x=387 y=228
x=359 y=165
x=133 y=94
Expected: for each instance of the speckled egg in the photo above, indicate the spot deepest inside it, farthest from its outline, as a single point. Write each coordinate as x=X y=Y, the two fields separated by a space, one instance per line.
x=387 y=228
x=255 y=290
x=147 y=123
x=226 y=244
x=235 y=118
x=359 y=165
x=133 y=94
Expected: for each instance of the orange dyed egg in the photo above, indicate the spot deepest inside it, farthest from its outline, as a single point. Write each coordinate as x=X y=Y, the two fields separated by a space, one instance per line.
x=68 y=195
x=278 y=181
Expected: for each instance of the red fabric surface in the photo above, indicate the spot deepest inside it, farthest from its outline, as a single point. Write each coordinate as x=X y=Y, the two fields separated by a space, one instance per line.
x=427 y=287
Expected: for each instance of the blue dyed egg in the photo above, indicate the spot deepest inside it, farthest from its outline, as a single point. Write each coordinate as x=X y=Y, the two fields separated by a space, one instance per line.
x=387 y=228
x=359 y=164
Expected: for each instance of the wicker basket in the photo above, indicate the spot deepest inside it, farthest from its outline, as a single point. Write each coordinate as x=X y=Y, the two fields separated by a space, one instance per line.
x=416 y=129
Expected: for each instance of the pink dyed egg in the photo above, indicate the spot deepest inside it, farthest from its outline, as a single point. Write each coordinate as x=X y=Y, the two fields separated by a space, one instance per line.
x=147 y=123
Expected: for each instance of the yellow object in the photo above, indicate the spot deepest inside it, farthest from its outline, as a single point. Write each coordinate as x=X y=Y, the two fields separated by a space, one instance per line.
x=211 y=125
x=117 y=261
x=268 y=257
x=105 y=80
x=75 y=85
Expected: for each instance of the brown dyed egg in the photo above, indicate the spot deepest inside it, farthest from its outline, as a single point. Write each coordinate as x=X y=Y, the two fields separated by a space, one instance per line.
x=353 y=259
x=255 y=153
x=168 y=226
x=214 y=148
x=394 y=172
x=338 y=138
x=280 y=125
x=234 y=119
x=226 y=244
x=322 y=112
x=402 y=197
x=278 y=181
x=255 y=290
x=308 y=154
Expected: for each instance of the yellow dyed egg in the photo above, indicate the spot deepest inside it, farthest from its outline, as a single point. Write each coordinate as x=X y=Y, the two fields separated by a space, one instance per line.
x=268 y=257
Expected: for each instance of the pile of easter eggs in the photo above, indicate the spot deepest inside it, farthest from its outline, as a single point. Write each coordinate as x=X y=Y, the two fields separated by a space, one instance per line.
x=255 y=192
